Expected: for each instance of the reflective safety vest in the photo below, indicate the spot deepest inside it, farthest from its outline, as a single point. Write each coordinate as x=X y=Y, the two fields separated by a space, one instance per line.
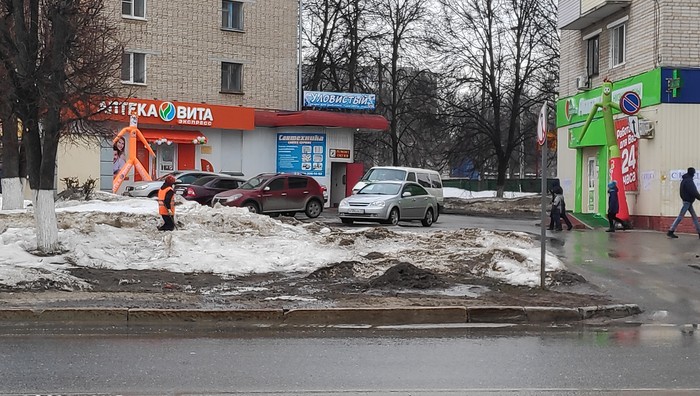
x=162 y=210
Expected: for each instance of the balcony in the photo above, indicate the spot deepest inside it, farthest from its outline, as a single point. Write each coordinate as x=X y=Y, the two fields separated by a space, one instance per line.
x=579 y=14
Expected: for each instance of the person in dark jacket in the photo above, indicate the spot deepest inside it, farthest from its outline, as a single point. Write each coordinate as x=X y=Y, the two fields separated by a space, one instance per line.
x=557 y=190
x=613 y=207
x=689 y=193
x=555 y=211
x=166 y=204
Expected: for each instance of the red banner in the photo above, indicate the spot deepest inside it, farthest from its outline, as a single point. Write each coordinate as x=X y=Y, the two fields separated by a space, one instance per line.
x=629 y=152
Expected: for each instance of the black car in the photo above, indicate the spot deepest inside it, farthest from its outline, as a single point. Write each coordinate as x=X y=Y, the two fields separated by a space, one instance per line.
x=203 y=189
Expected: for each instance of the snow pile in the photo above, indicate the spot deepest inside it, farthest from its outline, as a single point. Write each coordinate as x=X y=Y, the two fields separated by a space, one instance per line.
x=451 y=192
x=118 y=233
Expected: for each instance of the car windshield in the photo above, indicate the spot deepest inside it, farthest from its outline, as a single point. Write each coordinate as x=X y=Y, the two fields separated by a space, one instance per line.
x=203 y=180
x=174 y=174
x=381 y=189
x=254 y=182
x=384 y=174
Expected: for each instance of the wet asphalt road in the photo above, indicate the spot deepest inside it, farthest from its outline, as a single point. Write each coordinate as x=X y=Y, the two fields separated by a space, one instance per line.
x=641 y=267
x=641 y=360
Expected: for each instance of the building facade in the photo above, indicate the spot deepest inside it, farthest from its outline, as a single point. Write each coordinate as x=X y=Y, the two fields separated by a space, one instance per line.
x=203 y=79
x=649 y=51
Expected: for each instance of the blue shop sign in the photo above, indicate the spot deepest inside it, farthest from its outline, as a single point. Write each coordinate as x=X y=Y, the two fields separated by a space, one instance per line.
x=335 y=100
x=301 y=153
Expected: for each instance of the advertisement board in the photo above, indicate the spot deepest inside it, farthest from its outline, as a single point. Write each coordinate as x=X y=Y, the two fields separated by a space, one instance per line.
x=337 y=100
x=629 y=152
x=301 y=153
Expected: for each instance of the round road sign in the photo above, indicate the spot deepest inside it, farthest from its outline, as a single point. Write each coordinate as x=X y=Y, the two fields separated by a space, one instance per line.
x=630 y=103
x=542 y=125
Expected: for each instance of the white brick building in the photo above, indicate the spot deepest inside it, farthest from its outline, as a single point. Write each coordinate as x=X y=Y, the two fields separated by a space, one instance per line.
x=219 y=67
x=651 y=48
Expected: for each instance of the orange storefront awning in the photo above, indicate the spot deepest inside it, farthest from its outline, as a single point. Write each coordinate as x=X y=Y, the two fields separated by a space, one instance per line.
x=152 y=135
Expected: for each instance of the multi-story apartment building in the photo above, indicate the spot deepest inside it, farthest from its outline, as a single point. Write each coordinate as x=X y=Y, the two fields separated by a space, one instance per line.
x=650 y=52
x=214 y=84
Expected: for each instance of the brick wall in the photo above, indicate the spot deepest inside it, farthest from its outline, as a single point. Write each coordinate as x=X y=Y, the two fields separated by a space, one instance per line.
x=648 y=40
x=186 y=45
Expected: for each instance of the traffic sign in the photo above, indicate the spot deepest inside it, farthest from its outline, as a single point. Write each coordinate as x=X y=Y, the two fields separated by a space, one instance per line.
x=542 y=125
x=630 y=103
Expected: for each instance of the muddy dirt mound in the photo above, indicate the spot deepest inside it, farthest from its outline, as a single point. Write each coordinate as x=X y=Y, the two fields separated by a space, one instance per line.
x=339 y=271
x=563 y=277
x=408 y=276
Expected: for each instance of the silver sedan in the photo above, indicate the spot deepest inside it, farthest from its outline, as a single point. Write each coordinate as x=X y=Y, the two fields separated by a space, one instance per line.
x=390 y=202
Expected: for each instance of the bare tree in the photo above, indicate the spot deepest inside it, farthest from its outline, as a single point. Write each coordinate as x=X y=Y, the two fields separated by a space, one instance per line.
x=322 y=19
x=398 y=22
x=13 y=171
x=62 y=58
x=501 y=54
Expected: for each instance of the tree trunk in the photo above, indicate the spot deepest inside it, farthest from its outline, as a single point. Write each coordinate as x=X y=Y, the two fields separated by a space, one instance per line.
x=13 y=177
x=12 y=197
x=46 y=224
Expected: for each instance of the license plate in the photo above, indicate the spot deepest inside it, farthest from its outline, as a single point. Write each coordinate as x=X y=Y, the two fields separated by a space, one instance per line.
x=356 y=211
x=179 y=192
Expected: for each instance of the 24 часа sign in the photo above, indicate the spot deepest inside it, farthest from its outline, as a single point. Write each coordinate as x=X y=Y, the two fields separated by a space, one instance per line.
x=301 y=153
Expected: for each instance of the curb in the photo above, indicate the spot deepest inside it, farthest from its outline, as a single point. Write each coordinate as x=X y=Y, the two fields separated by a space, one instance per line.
x=318 y=317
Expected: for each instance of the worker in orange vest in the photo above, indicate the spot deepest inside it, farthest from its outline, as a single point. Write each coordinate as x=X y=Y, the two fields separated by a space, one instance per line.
x=166 y=204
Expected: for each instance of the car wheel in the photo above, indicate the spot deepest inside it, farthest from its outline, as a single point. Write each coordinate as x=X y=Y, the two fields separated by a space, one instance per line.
x=346 y=221
x=394 y=217
x=153 y=194
x=428 y=219
x=252 y=207
x=313 y=209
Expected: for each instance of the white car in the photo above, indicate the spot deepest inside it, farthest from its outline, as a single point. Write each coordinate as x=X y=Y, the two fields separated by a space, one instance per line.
x=150 y=189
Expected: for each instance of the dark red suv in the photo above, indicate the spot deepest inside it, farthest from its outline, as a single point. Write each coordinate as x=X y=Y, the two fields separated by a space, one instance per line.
x=275 y=193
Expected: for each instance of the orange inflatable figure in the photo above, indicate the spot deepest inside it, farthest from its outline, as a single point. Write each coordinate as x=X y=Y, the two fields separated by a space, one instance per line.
x=132 y=162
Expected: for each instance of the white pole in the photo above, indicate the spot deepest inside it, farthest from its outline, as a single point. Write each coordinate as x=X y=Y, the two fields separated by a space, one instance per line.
x=543 y=232
x=299 y=91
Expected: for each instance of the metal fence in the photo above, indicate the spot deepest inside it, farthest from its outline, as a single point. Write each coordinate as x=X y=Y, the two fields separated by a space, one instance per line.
x=518 y=185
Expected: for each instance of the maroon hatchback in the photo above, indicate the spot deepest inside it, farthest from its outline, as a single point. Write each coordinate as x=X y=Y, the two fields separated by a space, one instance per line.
x=274 y=193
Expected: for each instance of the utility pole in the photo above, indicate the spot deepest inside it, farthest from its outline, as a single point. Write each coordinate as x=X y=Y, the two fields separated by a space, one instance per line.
x=300 y=98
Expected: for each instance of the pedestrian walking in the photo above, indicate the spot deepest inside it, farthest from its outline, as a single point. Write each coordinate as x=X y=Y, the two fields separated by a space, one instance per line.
x=557 y=190
x=613 y=207
x=166 y=204
x=555 y=212
x=689 y=193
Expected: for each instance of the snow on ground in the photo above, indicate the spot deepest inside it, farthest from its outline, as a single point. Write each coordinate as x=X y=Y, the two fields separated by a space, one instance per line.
x=451 y=192
x=114 y=232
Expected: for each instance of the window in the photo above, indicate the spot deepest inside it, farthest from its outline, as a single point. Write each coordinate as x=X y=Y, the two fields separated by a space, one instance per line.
x=134 y=8
x=424 y=180
x=134 y=68
x=435 y=181
x=297 y=182
x=226 y=184
x=617 y=45
x=593 y=56
x=231 y=77
x=232 y=15
x=415 y=191
x=276 y=184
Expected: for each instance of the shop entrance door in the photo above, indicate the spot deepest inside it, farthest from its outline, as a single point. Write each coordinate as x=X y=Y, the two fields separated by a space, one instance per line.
x=338 y=183
x=165 y=162
x=590 y=196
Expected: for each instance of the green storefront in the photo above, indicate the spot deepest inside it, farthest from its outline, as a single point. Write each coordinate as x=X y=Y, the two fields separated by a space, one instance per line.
x=592 y=158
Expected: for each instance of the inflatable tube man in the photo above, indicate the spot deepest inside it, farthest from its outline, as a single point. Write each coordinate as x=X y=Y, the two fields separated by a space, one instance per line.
x=606 y=105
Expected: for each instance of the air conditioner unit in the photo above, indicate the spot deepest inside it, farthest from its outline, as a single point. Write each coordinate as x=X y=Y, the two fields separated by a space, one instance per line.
x=646 y=129
x=582 y=83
